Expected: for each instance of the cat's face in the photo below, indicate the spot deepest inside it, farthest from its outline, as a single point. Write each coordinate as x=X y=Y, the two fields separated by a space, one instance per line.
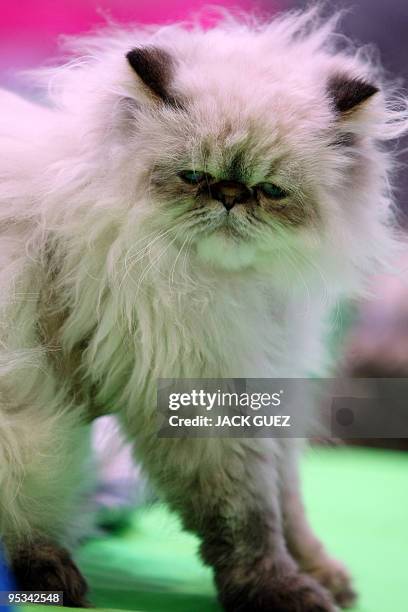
x=232 y=193
x=238 y=182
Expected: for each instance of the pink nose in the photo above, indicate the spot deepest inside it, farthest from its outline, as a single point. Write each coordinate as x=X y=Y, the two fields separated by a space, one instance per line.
x=230 y=193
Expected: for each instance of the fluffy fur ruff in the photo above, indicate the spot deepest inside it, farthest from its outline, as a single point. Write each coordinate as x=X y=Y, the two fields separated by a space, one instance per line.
x=110 y=280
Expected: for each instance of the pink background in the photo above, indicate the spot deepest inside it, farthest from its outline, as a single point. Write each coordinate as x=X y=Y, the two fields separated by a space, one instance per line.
x=29 y=29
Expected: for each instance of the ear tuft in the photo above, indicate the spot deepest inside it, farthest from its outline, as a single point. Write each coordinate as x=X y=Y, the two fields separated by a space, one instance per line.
x=155 y=68
x=348 y=93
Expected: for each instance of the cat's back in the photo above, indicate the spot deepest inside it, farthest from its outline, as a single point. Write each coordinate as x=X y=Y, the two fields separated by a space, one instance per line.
x=31 y=137
x=24 y=130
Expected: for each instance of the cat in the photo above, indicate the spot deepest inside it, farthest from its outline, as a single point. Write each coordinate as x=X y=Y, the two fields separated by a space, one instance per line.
x=190 y=203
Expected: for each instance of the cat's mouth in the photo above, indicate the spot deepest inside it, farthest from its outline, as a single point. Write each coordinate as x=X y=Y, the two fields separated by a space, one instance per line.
x=227 y=225
x=230 y=230
x=231 y=227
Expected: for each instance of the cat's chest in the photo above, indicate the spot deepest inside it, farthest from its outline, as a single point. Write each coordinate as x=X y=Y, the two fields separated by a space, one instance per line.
x=220 y=334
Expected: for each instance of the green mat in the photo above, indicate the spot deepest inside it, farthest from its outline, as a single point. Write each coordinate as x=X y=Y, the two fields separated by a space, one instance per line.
x=357 y=501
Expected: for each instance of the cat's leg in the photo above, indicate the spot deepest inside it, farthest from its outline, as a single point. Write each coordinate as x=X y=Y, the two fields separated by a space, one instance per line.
x=42 y=452
x=44 y=438
x=302 y=542
x=227 y=492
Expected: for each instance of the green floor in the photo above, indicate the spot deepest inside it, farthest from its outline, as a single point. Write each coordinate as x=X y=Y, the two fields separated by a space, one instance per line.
x=358 y=503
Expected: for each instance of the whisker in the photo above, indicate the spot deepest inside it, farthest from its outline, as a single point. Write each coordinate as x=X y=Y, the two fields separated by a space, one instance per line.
x=171 y=276
x=154 y=262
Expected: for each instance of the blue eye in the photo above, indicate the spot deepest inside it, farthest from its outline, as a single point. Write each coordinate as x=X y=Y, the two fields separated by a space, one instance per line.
x=272 y=191
x=193 y=176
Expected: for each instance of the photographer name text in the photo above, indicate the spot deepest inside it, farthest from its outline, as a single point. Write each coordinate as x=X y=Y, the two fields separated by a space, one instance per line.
x=280 y=420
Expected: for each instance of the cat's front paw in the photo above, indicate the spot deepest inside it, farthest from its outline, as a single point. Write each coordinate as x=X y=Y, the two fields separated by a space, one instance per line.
x=283 y=593
x=44 y=566
x=333 y=575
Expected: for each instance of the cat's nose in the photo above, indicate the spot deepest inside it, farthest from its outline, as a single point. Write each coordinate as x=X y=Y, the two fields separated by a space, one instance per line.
x=230 y=193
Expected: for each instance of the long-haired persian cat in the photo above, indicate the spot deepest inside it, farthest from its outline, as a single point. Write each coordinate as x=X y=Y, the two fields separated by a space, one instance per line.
x=190 y=203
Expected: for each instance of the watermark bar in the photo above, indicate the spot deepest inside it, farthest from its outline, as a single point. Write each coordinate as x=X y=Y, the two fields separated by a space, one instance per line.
x=283 y=407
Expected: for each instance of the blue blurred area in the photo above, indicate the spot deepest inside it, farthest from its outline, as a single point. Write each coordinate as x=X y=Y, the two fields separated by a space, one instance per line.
x=6 y=582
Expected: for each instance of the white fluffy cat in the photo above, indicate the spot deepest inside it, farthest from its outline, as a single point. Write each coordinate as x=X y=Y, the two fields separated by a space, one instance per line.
x=190 y=203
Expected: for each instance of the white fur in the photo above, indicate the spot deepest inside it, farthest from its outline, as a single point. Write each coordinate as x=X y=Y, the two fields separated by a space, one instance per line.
x=74 y=177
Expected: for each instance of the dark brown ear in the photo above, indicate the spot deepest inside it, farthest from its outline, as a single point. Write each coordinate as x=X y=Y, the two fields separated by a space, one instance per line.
x=348 y=93
x=155 y=68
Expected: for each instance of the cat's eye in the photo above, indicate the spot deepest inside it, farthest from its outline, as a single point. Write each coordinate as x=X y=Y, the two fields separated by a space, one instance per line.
x=193 y=177
x=272 y=191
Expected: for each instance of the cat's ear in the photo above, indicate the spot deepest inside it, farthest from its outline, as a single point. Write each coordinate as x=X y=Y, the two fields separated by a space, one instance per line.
x=348 y=94
x=155 y=68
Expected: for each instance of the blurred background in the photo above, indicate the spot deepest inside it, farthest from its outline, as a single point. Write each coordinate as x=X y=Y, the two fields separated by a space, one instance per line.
x=373 y=342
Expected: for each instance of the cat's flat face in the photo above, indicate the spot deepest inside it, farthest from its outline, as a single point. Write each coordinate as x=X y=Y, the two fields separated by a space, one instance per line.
x=232 y=191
